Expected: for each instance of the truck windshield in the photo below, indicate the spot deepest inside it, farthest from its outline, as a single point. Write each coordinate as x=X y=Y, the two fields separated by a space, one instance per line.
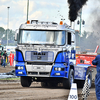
x=41 y=37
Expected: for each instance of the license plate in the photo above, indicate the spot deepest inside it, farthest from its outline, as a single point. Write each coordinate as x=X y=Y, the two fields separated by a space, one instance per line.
x=38 y=67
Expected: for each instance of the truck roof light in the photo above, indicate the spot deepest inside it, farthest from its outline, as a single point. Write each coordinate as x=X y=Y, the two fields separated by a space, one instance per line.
x=42 y=22
x=61 y=22
x=34 y=21
x=28 y=22
x=54 y=23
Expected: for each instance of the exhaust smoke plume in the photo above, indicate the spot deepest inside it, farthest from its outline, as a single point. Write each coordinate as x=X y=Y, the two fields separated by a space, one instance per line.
x=74 y=7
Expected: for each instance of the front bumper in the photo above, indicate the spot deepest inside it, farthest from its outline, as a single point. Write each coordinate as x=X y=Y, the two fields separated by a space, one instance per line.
x=41 y=70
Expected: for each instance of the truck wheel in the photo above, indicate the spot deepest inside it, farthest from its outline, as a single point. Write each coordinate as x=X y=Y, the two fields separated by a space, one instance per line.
x=52 y=84
x=67 y=82
x=25 y=81
x=44 y=84
x=80 y=83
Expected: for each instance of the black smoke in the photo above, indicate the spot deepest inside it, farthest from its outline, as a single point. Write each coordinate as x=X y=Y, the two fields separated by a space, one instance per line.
x=94 y=21
x=74 y=7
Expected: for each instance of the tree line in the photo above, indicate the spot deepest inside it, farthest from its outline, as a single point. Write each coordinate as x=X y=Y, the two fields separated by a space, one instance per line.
x=3 y=37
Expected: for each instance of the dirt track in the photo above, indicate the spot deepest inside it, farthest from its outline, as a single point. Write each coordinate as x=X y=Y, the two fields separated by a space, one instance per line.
x=6 y=69
x=12 y=90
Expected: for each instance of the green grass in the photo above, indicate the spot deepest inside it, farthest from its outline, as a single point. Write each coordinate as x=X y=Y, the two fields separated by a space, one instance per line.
x=10 y=78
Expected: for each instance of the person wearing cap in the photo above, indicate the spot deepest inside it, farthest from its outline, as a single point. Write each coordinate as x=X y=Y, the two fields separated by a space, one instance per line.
x=4 y=56
x=96 y=62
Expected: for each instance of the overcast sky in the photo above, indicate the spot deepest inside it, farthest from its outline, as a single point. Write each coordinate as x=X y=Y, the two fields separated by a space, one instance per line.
x=44 y=10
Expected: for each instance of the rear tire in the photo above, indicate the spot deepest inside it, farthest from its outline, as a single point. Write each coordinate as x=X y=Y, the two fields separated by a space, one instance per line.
x=25 y=81
x=67 y=82
x=80 y=83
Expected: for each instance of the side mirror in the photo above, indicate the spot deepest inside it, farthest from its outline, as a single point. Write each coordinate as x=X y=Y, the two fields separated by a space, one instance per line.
x=16 y=35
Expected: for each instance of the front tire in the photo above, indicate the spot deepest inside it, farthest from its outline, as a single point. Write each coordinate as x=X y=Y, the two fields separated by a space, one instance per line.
x=52 y=84
x=25 y=81
x=67 y=82
x=44 y=84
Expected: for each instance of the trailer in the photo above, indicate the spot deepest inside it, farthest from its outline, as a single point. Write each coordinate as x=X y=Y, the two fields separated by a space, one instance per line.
x=85 y=58
x=46 y=53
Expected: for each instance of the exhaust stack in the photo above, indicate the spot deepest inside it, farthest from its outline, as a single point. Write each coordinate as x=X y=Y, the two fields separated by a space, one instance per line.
x=96 y=49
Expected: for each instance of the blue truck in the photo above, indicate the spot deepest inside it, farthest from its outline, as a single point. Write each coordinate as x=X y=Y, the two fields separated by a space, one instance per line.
x=46 y=53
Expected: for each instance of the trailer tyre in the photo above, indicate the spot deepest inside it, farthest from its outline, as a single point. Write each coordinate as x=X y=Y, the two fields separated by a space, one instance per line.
x=25 y=81
x=67 y=82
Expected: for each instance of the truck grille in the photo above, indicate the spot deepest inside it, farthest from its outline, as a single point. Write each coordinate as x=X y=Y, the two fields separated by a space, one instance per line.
x=40 y=73
x=39 y=56
x=39 y=63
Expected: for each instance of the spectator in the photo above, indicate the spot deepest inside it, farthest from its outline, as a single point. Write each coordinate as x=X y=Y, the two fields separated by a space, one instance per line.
x=1 y=60
x=96 y=62
x=11 y=58
x=4 y=59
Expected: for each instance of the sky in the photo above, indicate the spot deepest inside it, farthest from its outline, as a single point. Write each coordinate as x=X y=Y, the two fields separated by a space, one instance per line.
x=43 y=10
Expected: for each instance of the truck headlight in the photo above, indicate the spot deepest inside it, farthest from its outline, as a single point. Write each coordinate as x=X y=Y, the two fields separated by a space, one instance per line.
x=58 y=69
x=55 y=68
x=20 y=68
